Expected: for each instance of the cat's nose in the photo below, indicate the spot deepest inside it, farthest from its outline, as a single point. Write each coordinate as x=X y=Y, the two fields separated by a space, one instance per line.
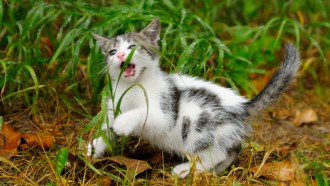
x=121 y=55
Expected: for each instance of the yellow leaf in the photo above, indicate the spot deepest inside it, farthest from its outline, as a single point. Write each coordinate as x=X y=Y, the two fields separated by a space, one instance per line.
x=282 y=171
x=138 y=166
x=304 y=117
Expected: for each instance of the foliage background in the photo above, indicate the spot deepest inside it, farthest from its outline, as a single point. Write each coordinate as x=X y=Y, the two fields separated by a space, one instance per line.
x=49 y=43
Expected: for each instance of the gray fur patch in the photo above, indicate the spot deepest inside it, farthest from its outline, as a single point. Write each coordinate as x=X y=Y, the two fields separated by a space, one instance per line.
x=170 y=102
x=204 y=119
x=203 y=97
x=185 y=127
x=203 y=143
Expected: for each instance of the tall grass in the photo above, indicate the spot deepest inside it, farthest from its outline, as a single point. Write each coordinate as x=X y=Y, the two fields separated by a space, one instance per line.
x=48 y=46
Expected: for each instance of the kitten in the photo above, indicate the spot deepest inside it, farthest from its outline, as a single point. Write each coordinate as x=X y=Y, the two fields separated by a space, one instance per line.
x=186 y=115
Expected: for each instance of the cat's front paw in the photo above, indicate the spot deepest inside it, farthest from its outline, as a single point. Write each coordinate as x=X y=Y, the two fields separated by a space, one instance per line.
x=96 y=148
x=124 y=125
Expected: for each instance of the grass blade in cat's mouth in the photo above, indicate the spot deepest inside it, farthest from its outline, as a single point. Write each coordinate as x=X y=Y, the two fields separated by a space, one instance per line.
x=129 y=70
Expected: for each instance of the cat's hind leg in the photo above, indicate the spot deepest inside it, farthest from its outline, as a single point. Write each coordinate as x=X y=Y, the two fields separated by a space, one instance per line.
x=232 y=153
x=182 y=170
x=211 y=160
x=204 y=162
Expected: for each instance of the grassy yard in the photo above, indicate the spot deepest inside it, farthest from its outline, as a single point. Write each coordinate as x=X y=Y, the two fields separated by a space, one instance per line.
x=52 y=87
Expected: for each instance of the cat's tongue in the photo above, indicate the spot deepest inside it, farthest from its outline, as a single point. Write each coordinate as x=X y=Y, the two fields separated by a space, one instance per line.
x=129 y=70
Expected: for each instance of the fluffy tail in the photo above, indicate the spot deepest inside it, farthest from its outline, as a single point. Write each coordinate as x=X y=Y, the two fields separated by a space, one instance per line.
x=279 y=82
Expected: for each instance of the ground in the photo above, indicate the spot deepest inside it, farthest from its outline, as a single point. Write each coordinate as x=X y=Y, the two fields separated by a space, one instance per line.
x=292 y=137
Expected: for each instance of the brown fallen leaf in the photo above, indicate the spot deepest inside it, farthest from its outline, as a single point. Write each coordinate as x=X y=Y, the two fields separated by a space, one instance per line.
x=282 y=171
x=40 y=140
x=12 y=138
x=304 y=117
x=138 y=166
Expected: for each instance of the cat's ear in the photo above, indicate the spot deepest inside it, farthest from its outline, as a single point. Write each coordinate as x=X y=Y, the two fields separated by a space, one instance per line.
x=102 y=42
x=152 y=31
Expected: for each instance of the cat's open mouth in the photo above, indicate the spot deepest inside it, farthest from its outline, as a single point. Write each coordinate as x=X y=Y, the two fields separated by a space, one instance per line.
x=129 y=70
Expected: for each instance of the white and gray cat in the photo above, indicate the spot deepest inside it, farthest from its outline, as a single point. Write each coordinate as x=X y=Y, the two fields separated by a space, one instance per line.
x=186 y=115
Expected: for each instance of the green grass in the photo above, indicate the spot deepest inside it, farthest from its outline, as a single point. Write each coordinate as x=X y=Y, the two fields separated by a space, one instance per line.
x=48 y=55
x=226 y=40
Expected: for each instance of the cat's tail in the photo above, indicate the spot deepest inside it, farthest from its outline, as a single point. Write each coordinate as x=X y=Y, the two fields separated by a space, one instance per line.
x=278 y=83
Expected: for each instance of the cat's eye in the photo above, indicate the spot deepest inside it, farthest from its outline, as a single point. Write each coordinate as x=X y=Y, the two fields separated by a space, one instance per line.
x=112 y=52
x=131 y=46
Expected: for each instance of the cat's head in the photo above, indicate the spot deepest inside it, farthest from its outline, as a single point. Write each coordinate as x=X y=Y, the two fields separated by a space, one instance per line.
x=145 y=58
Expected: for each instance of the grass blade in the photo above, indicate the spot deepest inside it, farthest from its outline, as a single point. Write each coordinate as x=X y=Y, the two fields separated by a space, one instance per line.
x=35 y=81
x=61 y=159
x=65 y=42
x=269 y=24
x=70 y=106
x=106 y=134
x=169 y=5
x=4 y=66
x=296 y=31
x=283 y=23
x=321 y=179
x=21 y=91
x=90 y=165
x=127 y=61
x=187 y=53
x=221 y=45
x=204 y=24
x=124 y=93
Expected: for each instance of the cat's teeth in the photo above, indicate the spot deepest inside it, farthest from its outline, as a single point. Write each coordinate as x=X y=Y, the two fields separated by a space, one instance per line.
x=130 y=64
x=129 y=70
